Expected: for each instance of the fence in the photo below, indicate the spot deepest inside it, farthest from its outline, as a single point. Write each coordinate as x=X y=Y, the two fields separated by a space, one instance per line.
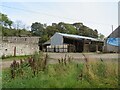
x=57 y=48
x=61 y=48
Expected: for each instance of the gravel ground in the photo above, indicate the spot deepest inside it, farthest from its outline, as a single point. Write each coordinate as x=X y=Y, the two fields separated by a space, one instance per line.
x=77 y=57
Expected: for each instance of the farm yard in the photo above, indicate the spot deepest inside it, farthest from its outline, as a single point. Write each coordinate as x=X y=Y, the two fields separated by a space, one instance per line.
x=59 y=45
x=53 y=58
x=61 y=70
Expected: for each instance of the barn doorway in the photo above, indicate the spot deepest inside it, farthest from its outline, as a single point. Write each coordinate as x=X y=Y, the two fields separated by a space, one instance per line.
x=78 y=43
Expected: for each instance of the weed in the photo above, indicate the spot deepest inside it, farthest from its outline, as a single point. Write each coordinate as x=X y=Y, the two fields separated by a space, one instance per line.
x=36 y=73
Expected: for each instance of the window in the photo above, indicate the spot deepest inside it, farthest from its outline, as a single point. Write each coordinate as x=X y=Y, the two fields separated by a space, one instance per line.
x=5 y=49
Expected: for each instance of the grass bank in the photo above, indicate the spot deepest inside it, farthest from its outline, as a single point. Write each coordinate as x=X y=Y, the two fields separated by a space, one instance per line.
x=11 y=58
x=65 y=74
x=70 y=76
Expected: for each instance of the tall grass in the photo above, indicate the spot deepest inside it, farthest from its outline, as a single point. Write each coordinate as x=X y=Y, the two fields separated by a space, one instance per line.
x=66 y=74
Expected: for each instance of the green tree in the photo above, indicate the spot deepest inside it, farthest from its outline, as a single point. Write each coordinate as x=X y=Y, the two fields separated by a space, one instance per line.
x=5 y=21
x=70 y=29
x=37 y=29
x=44 y=38
x=66 y=28
x=101 y=36
x=95 y=33
x=78 y=25
x=60 y=27
x=86 y=31
x=51 y=30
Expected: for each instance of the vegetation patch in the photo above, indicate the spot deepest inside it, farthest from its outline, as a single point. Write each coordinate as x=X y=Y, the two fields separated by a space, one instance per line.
x=36 y=73
x=10 y=57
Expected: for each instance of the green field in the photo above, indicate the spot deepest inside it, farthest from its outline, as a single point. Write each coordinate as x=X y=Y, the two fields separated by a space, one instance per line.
x=65 y=74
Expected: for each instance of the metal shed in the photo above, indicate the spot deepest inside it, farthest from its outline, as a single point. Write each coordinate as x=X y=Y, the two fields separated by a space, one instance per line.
x=74 y=43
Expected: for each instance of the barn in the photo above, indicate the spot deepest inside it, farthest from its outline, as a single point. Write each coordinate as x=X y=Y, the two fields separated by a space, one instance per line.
x=112 y=42
x=61 y=42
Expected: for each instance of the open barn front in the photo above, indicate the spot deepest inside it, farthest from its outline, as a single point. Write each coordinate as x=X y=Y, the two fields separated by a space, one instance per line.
x=82 y=45
x=60 y=42
x=75 y=45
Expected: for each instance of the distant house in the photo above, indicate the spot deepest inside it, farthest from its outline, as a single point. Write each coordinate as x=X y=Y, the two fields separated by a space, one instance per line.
x=61 y=42
x=112 y=42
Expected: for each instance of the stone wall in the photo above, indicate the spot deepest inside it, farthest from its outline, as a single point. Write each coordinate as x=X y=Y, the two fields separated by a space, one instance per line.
x=21 y=49
x=11 y=46
x=21 y=39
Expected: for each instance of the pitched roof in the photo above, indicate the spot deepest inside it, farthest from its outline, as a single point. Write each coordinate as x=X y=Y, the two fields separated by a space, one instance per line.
x=115 y=33
x=78 y=37
x=47 y=42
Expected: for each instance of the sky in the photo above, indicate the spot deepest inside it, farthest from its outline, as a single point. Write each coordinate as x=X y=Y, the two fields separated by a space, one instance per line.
x=96 y=14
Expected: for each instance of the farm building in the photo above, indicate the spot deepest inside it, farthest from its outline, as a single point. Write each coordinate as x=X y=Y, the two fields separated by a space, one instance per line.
x=60 y=42
x=112 y=42
x=15 y=46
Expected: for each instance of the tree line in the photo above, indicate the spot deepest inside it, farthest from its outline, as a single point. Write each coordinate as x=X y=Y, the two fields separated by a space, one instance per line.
x=10 y=28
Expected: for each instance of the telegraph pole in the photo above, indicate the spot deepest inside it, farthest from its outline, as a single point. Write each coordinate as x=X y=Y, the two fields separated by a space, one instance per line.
x=112 y=28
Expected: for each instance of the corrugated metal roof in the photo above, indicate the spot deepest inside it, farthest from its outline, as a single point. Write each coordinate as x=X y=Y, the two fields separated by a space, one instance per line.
x=77 y=36
x=47 y=42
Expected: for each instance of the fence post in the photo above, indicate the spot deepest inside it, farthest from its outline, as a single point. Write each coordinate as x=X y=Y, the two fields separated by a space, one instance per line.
x=15 y=51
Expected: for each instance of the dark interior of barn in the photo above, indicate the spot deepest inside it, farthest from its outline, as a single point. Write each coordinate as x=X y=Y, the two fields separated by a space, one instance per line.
x=77 y=44
x=82 y=45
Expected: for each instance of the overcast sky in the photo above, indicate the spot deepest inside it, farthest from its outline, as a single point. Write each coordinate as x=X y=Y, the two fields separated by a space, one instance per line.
x=96 y=15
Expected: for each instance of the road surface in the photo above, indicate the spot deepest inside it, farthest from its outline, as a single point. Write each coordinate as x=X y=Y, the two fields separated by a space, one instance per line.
x=77 y=57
